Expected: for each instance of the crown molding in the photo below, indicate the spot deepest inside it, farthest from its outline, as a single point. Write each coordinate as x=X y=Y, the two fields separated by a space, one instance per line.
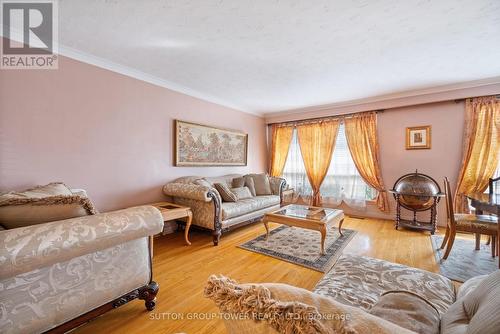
x=143 y=76
x=87 y=58
x=412 y=97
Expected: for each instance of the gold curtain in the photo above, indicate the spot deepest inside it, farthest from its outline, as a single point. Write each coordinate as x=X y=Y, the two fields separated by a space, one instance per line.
x=480 y=149
x=361 y=134
x=317 y=141
x=280 y=144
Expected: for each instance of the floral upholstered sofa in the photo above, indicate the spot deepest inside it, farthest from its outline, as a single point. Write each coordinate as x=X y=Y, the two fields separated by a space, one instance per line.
x=211 y=211
x=57 y=275
x=361 y=295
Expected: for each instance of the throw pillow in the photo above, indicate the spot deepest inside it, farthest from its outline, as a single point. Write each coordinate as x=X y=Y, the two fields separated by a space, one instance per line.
x=407 y=310
x=242 y=193
x=238 y=182
x=250 y=184
x=477 y=311
x=262 y=185
x=226 y=193
x=469 y=285
x=271 y=307
x=42 y=204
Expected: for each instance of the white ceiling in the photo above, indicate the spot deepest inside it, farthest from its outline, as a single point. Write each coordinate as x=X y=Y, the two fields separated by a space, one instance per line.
x=270 y=55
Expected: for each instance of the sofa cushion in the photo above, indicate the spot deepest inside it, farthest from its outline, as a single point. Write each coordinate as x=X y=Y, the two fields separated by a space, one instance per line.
x=241 y=207
x=238 y=182
x=226 y=193
x=360 y=280
x=407 y=310
x=42 y=204
x=262 y=185
x=227 y=179
x=280 y=308
x=242 y=193
x=469 y=285
x=250 y=184
x=477 y=312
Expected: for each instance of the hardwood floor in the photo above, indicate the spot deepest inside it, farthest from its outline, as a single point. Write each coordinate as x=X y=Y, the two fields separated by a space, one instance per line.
x=182 y=271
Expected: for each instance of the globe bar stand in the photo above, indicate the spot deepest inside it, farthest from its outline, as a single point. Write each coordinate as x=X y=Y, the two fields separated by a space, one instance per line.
x=416 y=224
x=416 y=192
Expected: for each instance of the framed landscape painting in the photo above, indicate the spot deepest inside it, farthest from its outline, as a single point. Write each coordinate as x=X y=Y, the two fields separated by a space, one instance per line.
x=202 y=145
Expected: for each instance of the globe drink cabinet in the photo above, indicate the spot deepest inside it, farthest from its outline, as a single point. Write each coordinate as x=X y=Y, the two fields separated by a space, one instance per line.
x=416 y=192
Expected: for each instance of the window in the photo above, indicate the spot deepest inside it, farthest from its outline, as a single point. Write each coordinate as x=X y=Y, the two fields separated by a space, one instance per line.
x=342 y=181
x=496 y=187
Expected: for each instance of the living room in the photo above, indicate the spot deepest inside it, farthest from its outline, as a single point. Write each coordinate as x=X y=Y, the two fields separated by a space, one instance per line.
x=237 y=167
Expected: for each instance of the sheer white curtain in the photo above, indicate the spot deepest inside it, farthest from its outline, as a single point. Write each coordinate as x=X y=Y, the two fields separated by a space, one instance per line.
x=342 y=183
x=295 y=172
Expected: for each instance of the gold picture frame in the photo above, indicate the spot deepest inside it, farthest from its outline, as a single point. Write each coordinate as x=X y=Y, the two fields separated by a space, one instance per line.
x=198 y=145
x=418 y=137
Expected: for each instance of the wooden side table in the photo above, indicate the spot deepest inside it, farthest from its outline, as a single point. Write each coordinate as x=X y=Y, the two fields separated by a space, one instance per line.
x=171 y=211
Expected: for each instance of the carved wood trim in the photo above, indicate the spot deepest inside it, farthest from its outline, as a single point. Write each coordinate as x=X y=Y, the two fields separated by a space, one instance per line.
x=217 y=232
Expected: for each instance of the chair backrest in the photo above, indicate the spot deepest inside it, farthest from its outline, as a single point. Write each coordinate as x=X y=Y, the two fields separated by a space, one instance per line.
x=449 y=202
x=491 y=185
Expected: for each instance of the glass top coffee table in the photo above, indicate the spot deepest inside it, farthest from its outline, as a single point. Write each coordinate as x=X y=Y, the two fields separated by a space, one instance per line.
x=308 y=217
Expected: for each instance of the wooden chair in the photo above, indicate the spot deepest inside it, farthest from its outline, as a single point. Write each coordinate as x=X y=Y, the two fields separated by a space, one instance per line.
x=460 y=222
x=491 y=191
x=490 y=184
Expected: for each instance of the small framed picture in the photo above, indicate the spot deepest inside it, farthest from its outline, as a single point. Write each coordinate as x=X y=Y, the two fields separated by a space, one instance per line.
x=418 y=137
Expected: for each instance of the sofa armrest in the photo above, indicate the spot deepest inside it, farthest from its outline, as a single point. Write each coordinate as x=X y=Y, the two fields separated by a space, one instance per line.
x=277 y=185
x=37 y=246
x=190 y=191
x=79 y=192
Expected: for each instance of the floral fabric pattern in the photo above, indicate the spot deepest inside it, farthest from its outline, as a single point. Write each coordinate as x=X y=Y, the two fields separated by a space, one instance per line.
x=44 y=298
x=481 y=222
x=360 y=281
x=203 y=200
x=185 y=190
x=51 y=273
x=241 y=207
x=28 y=248
x=203 y=212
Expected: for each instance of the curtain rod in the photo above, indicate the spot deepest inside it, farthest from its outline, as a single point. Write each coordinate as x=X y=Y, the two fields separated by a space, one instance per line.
x=325 y=118
x=497 y=96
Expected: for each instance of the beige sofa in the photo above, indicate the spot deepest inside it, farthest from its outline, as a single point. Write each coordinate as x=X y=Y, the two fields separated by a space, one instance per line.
x=211 y=212
x=55 y=276
x=362 y=295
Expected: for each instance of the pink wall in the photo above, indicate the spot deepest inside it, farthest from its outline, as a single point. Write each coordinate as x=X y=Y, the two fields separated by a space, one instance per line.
x=444 y=157
x=105 y=132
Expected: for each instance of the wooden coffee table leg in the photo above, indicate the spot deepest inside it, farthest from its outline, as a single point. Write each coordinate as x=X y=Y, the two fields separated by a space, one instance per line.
x=188 y=225
x=340 y=227
x=322 y=230
x=266 y=225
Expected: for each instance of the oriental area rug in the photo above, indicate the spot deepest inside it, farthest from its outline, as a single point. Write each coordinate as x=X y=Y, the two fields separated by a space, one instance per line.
x=301 y=246
x=464 y=261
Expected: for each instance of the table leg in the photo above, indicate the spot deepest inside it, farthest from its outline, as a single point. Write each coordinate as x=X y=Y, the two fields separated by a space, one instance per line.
x=478 y=241
x=188 y=225
x=498 y=235
x=340 y=227
x=266 y=225
x=322 y=230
